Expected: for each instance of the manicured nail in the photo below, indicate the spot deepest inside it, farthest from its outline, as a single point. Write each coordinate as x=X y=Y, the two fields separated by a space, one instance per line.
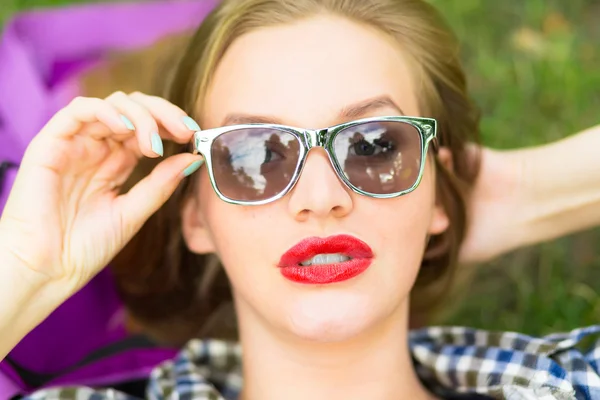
x=127 y=123
x=191 y=124
x=156 y=143
x=193 y=167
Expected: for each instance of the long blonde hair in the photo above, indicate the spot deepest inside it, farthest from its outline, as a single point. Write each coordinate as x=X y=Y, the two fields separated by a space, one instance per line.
x=174 y=294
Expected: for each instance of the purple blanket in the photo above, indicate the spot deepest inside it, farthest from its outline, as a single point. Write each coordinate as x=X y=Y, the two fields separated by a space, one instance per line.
x=41 y=55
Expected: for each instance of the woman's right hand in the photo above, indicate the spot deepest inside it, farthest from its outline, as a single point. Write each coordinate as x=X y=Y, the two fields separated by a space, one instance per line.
x=64 y=219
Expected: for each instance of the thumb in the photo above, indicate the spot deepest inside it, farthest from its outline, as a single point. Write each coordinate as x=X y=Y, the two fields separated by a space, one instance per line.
x=136 y=206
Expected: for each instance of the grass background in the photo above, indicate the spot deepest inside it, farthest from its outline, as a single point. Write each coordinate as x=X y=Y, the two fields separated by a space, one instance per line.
x=534 y=69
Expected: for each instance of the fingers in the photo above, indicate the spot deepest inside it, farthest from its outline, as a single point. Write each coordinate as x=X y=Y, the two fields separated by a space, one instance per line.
x=81 y=111
x=146 y=128
x=167 y=115
x=120 y=117
x=154 y=119
x=149 y=194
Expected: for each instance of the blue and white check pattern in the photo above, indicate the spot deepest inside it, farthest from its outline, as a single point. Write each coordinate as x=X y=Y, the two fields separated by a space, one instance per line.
x=451 y=361
x=509 y=365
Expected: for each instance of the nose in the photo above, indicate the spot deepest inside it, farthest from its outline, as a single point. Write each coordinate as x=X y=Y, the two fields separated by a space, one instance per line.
x=319 y=193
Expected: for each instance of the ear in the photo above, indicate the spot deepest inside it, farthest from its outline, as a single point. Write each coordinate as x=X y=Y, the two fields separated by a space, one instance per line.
x=439 y=219
x=195 y=232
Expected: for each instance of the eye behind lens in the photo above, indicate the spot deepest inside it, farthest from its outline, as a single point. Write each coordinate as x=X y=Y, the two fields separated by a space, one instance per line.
x=375 y=157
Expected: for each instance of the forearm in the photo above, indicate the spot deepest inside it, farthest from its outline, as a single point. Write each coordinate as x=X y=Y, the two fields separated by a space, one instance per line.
x=560 y=188
x=26 y=299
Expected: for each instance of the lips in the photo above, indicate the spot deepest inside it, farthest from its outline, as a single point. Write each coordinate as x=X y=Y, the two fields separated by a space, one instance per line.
x=359 y=252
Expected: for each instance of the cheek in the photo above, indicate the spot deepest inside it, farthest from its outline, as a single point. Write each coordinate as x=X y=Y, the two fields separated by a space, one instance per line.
x=241 y=235
x=402 y=223
x=227 y=224
x=401 y=231
x=400 y=228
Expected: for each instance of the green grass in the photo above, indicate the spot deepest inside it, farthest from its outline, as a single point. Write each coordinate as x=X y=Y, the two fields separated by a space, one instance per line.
x=534 y=69
x=10 y=7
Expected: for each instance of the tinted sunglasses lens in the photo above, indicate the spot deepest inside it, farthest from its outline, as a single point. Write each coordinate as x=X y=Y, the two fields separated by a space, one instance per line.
x=254 y=164
x=380 y=157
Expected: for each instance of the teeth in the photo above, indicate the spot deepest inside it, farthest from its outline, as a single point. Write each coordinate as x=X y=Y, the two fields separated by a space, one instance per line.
x=320 y=259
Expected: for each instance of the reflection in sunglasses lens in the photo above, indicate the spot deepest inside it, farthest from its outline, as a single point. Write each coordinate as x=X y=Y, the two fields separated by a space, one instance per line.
x=254 y=164
x=379 y=157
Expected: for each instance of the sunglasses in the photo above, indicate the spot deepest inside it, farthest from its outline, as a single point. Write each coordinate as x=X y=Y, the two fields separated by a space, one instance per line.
x=254 y=164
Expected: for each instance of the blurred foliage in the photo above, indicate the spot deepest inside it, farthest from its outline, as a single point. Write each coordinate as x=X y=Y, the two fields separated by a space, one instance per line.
x=10 y=7
x=532 y=65
x=534 y=69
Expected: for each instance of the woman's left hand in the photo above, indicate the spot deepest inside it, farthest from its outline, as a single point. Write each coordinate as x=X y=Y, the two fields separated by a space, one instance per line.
x=532 y=195
x=492 y=220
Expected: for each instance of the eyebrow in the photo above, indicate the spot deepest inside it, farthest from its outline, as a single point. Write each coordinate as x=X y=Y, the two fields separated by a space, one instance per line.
x=353 y=111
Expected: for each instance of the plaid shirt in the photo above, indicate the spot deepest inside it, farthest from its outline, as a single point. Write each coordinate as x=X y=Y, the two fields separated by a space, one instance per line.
x=452 y=362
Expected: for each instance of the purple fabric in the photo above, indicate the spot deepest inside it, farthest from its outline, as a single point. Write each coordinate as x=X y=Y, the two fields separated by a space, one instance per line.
x=85 y=322
x=10 y=384
x=41 y=55
x=132 y=364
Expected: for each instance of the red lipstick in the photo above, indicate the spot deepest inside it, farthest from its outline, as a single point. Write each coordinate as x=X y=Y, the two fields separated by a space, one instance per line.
x=359 y=252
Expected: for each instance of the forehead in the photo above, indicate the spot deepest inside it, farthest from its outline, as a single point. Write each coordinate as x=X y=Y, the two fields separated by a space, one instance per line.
x=304 y=74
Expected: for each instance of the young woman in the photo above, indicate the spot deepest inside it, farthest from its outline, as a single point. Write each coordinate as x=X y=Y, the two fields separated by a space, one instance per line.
x=332 y=191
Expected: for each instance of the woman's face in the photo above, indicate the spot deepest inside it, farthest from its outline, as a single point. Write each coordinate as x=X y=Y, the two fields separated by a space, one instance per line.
x=306 y=75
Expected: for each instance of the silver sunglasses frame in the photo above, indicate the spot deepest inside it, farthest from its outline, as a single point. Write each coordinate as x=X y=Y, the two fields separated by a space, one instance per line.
x=310 y=138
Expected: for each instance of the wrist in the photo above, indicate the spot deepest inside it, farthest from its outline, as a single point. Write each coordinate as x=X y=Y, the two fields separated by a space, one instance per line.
x=500 y=199
x=29 y=288
x=519 y=175
x=26 y=299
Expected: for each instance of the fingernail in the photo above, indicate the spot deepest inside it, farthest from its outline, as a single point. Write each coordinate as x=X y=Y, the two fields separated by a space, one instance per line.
x=156 y=143
x=191 y=124
x=127 y=123
x=193 y=167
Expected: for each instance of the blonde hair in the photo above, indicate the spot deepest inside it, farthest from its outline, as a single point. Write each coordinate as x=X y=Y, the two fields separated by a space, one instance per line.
x=174 y=294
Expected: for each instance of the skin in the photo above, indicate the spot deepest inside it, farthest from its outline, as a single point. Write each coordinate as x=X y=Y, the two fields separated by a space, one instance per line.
x=524 y=196
x=348 y=339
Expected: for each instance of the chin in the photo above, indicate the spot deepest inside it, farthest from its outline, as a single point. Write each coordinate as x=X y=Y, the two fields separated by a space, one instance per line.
x=332 y=317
